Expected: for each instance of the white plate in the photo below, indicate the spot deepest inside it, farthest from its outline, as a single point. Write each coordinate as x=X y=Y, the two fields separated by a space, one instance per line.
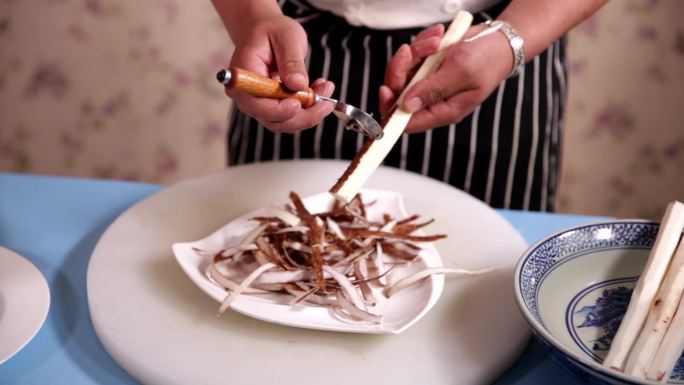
x=162 y=329
x=24 y=302
x=399 y=313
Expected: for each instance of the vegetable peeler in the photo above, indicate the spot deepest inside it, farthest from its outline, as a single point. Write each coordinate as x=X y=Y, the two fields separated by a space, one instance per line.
x=258 y=85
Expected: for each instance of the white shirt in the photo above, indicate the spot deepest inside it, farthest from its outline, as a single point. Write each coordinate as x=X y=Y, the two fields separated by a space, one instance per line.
x=391 y=14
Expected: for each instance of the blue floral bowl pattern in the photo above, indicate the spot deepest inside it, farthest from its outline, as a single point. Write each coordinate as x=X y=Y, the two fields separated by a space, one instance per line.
x=574 y=287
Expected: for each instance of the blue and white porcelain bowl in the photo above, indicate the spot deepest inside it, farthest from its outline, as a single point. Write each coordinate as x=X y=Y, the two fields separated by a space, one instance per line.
x=573 y=288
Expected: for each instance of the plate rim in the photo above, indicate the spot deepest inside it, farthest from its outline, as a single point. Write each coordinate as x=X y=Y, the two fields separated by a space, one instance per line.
x=40 y=292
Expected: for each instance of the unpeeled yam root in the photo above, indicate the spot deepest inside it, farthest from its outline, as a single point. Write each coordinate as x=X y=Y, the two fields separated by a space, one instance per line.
x=373 y=152
x=647 y=286
x=670 y=349
x=659 y=317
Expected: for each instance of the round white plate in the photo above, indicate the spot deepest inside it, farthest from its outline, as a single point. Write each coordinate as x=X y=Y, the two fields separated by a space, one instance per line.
x=24 y=302
x=399 y=312
x=162 y=329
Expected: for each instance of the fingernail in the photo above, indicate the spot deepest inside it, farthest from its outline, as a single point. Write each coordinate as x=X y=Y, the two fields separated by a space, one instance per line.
x=297 y=78
x=329 y=88
x=292 y=104
x=414 y=104
x=432 y=40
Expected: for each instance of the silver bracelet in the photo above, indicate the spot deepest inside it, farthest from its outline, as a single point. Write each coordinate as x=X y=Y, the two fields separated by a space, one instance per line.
x=514 y=40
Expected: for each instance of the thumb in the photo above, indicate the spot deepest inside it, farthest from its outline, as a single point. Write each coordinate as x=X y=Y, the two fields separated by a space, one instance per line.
x=433 y=89
x=289 y=47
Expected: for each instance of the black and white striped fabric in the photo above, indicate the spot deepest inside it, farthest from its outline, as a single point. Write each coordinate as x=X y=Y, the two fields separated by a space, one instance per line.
x=506 y=153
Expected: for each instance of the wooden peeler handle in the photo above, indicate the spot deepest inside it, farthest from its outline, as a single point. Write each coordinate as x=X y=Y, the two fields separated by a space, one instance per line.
x=262 y=86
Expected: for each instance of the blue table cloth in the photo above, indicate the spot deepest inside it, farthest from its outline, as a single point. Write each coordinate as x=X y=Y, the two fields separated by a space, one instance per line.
x=55 y=222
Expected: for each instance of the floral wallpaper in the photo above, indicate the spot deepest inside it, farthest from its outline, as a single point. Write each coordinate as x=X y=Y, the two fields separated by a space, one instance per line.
x=112 y=89
x=125 y=89
x=624 y=150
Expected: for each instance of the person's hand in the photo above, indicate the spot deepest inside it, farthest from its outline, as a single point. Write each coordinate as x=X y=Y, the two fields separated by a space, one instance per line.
x=471 y=71
x=276 y=47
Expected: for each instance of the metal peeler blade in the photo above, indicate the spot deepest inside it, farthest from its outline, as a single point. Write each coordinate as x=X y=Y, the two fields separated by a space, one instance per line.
x=355 y=119
x=258 y=85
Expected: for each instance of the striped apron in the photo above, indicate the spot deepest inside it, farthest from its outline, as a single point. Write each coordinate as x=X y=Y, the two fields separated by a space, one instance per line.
x=506 y=153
